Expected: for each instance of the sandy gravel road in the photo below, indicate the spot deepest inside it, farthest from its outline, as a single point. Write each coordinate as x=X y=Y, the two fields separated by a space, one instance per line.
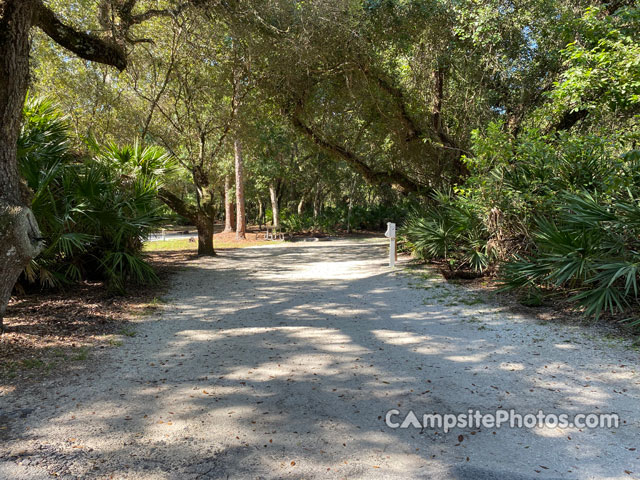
x=281 y=362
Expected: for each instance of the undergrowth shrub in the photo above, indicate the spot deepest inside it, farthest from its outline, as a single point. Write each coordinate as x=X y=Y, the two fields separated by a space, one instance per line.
x=554 y=214
x=591 y=249
x=451 y=230
x=338 y=218
x=93 y=212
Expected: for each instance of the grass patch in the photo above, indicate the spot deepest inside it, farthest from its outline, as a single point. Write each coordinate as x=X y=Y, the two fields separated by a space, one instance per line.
x=83 y=354
x=472 y=301
x=127 y=332
x=11 y=370
x=30 y=363
x=59 y=353
x=187 y=246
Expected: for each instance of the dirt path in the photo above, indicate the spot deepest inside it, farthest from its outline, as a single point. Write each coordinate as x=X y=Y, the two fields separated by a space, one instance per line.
x=282 y=363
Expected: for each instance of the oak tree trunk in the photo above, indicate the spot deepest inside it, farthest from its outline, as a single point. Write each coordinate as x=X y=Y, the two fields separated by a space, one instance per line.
x=228 y=205
x=19 y=234
x=205 y=236
x=301 y=204
x=204 y=222
x=241 y=223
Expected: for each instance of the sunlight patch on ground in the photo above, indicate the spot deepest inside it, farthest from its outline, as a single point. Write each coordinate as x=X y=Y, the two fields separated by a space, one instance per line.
x=394 y=337
x=511 y=367
x=560 y=433
x=317 y=336
x=586 y=396
x=475 y=358
x=424 y=345
x=311 y=311
x=331 y=270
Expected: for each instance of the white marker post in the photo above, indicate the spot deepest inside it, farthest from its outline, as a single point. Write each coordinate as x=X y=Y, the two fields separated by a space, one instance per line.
x=391 y=235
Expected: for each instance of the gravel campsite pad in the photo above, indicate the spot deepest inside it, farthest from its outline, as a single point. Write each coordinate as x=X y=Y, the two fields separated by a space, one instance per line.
x=283 y=361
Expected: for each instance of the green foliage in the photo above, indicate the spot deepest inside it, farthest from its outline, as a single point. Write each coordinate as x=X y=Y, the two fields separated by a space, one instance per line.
x=590 y=249
x=451 y=230
x=519 y=179
x=151 y=162
x=338 y=218
x=560 y=212
x=603 y=67
x=93 y=216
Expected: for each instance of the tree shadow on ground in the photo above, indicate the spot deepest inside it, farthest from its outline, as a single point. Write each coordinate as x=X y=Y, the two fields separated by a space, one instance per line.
x=271 y=362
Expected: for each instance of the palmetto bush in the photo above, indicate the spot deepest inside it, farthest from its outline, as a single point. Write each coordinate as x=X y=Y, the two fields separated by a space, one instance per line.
x=591 y=249
x=451 y=230
x=556 y=214
x=152 y=162
x=93 y=217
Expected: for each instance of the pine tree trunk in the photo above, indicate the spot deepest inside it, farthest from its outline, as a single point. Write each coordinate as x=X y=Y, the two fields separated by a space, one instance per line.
x=228 y=205
x=316 y=203
x=19 y=234
x=260 y=212
x=241 y=222
x=352 y=191
x=275 y=208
